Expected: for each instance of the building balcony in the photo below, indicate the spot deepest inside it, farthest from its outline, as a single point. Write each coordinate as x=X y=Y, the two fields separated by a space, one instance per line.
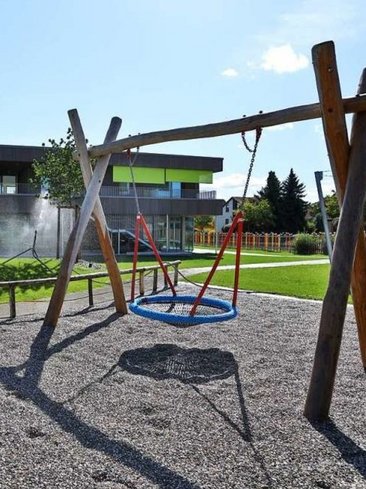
x=155 y=193
x=18 y=189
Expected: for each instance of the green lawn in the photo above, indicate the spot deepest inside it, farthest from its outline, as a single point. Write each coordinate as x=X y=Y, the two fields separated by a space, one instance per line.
x=28 y=268
x=305 y=281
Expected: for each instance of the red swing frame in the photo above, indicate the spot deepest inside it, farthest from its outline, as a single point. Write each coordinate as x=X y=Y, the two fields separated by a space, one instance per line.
x=237 y=224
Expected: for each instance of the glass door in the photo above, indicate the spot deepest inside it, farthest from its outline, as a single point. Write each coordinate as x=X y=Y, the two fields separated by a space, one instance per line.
x=175 y=233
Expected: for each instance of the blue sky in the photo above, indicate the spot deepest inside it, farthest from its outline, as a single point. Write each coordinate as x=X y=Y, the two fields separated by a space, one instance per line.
x=161 y=64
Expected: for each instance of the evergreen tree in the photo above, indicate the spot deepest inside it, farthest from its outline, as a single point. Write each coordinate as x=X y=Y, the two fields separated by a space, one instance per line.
x=272 y=194
x=293 y=205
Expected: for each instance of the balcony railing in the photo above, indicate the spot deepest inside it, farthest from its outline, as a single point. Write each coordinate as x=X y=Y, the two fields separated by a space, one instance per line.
x=116 y=191
x=18 y=189
x=153 y=193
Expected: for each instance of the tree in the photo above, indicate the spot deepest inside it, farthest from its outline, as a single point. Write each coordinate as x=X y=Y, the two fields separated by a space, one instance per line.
x=203 y=223
x=331 y=205
x=293 y=206
x=59 y=172
x=272 y=194
x=258 y=216
x=332 y=210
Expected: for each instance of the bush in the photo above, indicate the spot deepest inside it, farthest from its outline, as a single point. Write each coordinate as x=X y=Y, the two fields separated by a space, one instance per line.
x=305 y=244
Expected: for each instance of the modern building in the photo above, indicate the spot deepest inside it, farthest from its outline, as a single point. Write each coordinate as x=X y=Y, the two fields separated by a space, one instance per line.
x=168 y=189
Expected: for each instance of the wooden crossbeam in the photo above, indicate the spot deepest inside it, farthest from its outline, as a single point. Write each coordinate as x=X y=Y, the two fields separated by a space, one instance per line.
x=335 y=301
x=99 y=217
x=292 y=114
x=77 y=234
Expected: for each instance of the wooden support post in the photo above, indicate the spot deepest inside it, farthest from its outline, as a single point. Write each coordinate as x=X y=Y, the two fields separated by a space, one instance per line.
x=12 y=305
x=175 y=282
x=165 y=276
x=76 y=236
x=335 y=302
x=155 y=280
x=335 y=130
x=90 y=292
x=142 y=282
x=99 y=217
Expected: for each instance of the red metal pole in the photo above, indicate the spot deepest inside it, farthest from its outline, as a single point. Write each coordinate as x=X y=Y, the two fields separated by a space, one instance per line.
x=135 y=253
x=157 y=256
x=237 y=261
x=238 y=216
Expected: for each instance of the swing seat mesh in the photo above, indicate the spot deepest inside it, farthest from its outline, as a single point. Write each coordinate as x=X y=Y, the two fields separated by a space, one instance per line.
x=175 y=309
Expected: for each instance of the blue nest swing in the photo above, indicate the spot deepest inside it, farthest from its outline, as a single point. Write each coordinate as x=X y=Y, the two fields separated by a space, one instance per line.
x=176 y=309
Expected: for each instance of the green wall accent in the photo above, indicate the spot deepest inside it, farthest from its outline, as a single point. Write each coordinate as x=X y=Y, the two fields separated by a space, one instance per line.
x=188 y=176
x=160 y=175
x=141 y=175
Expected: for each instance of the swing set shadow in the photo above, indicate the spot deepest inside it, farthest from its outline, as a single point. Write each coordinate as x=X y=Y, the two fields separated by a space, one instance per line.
x=26 y=387
x=192 y=366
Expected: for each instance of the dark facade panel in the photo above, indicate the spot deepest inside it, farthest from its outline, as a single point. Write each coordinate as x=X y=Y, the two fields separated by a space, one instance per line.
x=22 y=154
x=156 y=207
x=154 y=160
x=15 y=204
x=26 y=154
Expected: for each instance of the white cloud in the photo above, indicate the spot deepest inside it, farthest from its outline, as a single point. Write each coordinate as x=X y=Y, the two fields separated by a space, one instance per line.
x=282 y=127
x=283 y=59
x=230 y=73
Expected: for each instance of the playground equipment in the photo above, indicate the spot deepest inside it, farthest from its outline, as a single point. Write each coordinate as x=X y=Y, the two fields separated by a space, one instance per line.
x=347 y=161
x=188 y=310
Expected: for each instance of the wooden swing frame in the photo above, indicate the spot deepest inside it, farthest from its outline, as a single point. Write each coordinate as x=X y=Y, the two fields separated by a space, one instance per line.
x=348 y=166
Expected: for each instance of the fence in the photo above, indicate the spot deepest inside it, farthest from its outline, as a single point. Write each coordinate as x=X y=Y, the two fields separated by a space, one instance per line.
x=141 y=273
x=254 y=241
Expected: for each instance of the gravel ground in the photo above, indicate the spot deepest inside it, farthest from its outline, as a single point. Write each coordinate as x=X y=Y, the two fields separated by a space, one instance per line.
x=123 y=402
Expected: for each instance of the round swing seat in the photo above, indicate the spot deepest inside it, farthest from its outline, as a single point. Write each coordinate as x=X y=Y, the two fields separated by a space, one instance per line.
x=175 y=309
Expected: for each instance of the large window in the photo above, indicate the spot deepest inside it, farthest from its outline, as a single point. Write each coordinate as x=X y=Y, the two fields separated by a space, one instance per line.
x=8 y=184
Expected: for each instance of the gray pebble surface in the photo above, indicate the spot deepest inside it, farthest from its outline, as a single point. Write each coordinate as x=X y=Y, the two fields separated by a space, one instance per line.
x=108 y=401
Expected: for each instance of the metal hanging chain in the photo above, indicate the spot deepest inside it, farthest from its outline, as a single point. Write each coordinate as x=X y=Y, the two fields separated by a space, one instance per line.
x=254 y=152
x=131 y=162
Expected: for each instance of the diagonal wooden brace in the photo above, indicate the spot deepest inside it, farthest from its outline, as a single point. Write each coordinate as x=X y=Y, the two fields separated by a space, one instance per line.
x=77 y=234
x=335 y=130
x=335 y=301
x=98 y=214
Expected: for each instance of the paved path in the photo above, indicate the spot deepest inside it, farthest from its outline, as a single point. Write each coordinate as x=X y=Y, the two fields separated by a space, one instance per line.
x=193 y=271
x=229 y=252
x=104 y=296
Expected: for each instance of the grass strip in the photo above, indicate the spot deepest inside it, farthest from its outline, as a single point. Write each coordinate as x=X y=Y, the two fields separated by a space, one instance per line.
x=304 y=281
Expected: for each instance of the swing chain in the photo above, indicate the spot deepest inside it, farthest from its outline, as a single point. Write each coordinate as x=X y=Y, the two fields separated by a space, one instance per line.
x=254 y=152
